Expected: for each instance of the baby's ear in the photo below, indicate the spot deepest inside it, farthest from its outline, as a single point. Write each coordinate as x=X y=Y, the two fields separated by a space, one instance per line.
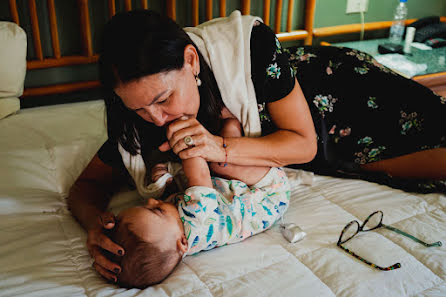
x=182 y=245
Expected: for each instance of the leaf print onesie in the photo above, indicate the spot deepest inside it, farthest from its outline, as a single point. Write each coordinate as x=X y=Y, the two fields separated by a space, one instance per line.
x=231 y=211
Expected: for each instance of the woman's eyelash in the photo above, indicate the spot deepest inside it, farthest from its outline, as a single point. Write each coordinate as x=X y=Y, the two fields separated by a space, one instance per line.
x=164 y=100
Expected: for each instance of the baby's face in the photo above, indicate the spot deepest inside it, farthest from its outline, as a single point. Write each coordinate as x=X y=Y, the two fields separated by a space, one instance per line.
x=156 y=222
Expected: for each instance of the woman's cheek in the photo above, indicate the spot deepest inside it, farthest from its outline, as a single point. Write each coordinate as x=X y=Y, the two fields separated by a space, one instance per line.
x=145 y=116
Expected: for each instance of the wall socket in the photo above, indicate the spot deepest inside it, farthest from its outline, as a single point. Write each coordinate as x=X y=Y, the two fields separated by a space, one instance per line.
x=356 y=6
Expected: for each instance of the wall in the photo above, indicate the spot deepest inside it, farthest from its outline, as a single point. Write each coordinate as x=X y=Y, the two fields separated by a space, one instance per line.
x=332 y=13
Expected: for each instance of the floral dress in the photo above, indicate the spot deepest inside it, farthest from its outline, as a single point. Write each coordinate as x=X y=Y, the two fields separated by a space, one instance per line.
x=362 y=111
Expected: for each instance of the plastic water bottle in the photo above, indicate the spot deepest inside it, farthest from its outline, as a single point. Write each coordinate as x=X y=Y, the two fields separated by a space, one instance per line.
x=398 y=25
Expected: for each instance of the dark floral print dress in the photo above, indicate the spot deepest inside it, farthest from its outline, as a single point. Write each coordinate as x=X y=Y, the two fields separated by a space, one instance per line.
x=363 y=111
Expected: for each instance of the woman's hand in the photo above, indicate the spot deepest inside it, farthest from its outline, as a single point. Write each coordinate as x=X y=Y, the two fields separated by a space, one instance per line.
x=205 y=145
x=97 y=241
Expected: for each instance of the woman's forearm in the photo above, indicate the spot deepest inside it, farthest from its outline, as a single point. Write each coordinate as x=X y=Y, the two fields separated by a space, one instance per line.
x=87 y=201
x=275 y=150
x=91 y=193
x=295 y=141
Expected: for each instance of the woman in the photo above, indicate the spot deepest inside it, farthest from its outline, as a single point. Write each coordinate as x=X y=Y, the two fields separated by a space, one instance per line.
x=163 y=97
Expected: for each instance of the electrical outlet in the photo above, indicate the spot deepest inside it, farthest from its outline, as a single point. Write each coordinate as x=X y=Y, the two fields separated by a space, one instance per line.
x=356 y=6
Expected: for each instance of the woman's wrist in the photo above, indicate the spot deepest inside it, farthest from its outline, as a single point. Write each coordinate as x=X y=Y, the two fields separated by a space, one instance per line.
x=225 y=152
x=222 y=150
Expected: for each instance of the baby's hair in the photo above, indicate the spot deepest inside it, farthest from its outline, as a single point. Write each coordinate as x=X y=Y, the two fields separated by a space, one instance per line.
x=143 y=264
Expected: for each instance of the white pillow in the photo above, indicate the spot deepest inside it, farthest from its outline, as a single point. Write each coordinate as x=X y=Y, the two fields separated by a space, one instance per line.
x=12 y=67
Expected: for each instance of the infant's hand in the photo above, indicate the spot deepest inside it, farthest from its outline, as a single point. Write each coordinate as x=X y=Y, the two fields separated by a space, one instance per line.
x=158 y=170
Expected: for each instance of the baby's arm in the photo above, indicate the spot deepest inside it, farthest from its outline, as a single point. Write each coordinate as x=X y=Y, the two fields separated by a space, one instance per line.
x=197 y=172
x=250 y=175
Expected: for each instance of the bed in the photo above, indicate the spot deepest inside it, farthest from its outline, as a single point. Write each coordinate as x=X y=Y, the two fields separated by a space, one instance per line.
x=43 y=252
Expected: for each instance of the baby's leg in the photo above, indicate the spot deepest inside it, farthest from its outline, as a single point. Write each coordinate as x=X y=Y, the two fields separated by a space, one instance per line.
x=247 y=174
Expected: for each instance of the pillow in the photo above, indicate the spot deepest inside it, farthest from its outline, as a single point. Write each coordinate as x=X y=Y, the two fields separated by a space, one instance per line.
x=40 y=162
x=12 y=67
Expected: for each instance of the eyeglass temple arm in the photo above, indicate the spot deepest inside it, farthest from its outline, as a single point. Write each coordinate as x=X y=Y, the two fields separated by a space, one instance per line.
x=392 y=267
x=438 y=243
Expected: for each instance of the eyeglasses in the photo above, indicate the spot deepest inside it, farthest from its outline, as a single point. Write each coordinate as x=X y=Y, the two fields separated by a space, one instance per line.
x=373 y=222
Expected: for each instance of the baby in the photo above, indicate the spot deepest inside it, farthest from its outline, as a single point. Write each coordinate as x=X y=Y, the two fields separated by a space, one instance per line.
x=211 y=212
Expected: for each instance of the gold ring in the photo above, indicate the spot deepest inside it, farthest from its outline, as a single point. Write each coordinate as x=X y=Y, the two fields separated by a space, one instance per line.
x=188 y=141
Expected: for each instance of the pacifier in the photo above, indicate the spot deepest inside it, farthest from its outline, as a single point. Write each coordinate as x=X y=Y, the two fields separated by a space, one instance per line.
x=292 y=232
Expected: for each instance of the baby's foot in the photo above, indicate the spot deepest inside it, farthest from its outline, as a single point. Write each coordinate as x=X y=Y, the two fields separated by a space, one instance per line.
x=158 y=170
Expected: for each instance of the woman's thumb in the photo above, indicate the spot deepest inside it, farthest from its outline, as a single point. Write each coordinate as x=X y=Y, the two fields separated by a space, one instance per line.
x=164 y=147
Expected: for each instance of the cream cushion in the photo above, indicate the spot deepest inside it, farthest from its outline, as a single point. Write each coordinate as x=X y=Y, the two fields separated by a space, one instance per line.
x=12 y=67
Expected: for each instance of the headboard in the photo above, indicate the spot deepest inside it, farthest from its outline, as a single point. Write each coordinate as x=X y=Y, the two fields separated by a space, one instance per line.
x=278 y=9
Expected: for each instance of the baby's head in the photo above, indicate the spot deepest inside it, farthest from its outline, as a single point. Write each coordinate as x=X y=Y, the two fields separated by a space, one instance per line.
x=154 y=242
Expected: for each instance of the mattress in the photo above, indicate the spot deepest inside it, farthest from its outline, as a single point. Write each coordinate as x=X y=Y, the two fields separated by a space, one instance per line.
x=43 y=252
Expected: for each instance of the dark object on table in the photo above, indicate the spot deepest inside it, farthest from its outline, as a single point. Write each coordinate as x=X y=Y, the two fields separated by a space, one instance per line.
x=435 y=42
x=429 y=27
x=390 y=48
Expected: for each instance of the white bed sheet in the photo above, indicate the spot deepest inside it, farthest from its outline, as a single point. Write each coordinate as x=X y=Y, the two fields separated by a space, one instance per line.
x=43 y=252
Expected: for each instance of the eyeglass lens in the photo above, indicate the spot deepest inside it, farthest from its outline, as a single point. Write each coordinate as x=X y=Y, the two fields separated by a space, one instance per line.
x=349 y=231
x=373 y=221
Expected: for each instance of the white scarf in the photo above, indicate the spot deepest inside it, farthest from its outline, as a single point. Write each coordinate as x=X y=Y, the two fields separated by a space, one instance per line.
x=225 y=44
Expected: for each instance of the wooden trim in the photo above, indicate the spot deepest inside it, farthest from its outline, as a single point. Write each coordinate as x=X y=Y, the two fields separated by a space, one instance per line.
x=89 y=57
x=13 y=11
x=35 y=29
x=222 y=8
x=352 y=28
x=246 y=7
x=289 y=20
x=87 y=47
x=266 y=11
x=278 y=19
x=171 y=6
x=111 y=8
x=60 y=88
x=435 y=81
x=440 y=90
x=310 y=8
x=208 y=10
x=53 y=29
x=195 y=13
x=144 y=4
x=63 y=61
x=431 y=80
x=293 y=35
x=128 y=5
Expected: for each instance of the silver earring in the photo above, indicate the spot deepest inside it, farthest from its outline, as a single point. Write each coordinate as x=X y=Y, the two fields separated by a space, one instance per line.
x=197 y=80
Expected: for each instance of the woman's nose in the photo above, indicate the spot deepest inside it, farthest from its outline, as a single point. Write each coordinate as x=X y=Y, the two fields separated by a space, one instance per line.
x=158 y=117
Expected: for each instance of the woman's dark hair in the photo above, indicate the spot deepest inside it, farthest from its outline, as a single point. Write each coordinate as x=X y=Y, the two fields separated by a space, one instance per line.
x=140 y=43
